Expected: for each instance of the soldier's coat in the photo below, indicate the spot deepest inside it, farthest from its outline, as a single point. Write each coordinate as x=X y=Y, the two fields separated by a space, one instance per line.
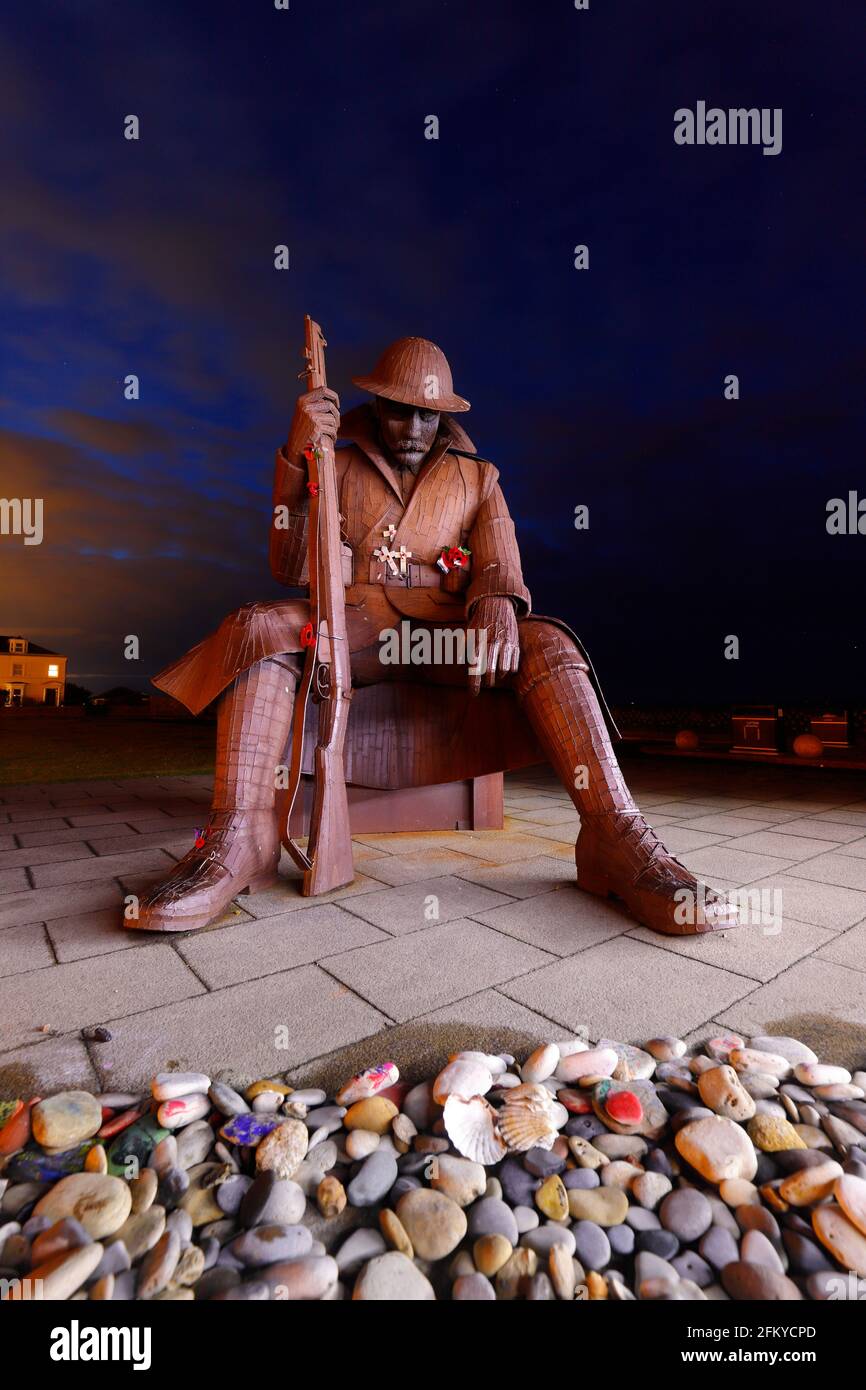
x=407 y=733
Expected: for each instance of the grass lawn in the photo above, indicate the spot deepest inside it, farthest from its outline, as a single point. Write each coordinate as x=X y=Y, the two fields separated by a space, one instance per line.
x=47 y=746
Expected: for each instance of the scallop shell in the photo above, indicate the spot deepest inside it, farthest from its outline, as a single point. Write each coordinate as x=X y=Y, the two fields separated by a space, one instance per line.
x=471 y=1127
x=528 y=1119
x=496 y=1065
x=464 y=1078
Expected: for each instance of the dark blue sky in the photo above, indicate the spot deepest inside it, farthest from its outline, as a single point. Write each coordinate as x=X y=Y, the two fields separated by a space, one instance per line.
x=602 y=387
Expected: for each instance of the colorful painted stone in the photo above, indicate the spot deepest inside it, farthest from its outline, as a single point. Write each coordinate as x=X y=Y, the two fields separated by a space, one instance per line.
x=115 y=1124
x=653 y=1117
x=250 y=1129
x=135 y=1145
x=33 y=1164
x=575 y=1102
x=183 y=1110
x=624 y=1107
x=16 y=1130
x=368 y=1083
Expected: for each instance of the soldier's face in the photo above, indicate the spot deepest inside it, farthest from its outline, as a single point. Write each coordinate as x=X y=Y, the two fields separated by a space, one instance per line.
x=407 y=431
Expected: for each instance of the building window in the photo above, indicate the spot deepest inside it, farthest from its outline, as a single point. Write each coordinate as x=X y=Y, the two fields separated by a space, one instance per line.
x=53 y=672
x=17 y=668
x=17 y=644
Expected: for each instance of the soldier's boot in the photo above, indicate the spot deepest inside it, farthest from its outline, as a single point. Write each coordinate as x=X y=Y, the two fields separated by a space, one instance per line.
x=617 y=852
x=239 y=849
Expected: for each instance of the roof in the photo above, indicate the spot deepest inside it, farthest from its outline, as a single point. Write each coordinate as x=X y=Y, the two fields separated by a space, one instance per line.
x=32 y=647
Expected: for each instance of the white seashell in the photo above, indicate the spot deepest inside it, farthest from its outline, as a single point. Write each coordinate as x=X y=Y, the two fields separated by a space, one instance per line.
x=471 y=1126
x=494 y=1064
x=506 y=1081
x=462 y=1077
x=541 y=1064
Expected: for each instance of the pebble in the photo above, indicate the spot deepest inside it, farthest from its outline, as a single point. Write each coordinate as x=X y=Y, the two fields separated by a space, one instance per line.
x=850 y=1193
x=374 y=1178
x=434 y=1224
x=754 y=1282
x=65 y=1120
x=737 y=1172
x=62 y=1275
x=100 y=1203
x=361 y=1143
x=226 y=1100
x=820 y=1074
x=493 y=1216
x=686 y=1213
x=717 y=1148
x=473 y=1288
x=309 y=1278
x=393 y=1278
x=459 y=1178
x=271 y=1244
x=282 y=1151
x=605 y=1206
x=841 y=1237
x=724 y=1093
x=374 y=1114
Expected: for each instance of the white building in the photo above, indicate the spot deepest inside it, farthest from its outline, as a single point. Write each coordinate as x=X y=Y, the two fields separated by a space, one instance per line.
x=30 y=675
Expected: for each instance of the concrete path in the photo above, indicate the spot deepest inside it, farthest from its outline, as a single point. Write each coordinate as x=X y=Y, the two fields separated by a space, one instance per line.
x=444 y=940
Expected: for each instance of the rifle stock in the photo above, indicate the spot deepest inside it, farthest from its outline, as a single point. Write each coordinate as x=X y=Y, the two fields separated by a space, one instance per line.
x=327 y=862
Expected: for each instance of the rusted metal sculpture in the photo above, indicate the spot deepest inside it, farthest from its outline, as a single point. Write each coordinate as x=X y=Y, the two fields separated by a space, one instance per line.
x=429 y=552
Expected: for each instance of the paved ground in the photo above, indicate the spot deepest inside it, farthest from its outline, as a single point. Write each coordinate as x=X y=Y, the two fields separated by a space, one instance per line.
x=444 y=939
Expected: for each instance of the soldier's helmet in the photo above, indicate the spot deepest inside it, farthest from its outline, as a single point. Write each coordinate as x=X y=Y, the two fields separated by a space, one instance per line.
x=416 y=372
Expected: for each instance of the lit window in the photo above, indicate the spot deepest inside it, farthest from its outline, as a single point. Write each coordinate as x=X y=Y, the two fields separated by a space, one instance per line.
x=54 y=671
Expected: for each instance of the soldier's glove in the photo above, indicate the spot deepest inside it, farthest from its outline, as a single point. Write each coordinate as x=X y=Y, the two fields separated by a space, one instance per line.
x=497 y=644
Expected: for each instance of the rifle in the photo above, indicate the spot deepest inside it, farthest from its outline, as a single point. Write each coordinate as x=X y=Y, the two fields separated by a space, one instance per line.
x=327 y=862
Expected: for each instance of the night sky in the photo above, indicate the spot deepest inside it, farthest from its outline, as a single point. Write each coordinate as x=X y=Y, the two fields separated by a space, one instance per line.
x=601 y=387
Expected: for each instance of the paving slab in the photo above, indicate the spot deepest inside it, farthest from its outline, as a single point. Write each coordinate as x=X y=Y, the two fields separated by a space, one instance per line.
x=409 y=975
x=83 y=934
x=848 y=949
x=271 y=945
x=422 y=1045
x=101 y=866
x=429 y=863
x=787 y=845
x=765 y=945
x=563 y=922
x=24 y=948
x=286 y=896
x=240 y=1034
x=737 y=865
x=818 y=1001
x=413 y=906
x=844 y=870
x=77 y=995
x=526 y=879
x=43 y=904
x=819 y=828
x=45 y=1067
x=823 y=904
x=624 y=988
